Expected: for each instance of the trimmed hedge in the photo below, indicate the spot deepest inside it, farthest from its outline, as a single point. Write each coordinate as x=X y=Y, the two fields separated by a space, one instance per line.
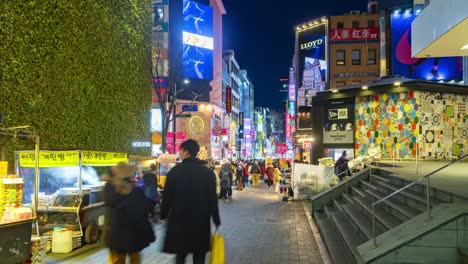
x=77 y=71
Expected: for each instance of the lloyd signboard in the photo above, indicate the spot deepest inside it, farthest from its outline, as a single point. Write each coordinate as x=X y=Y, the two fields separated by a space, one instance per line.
x=339 y=128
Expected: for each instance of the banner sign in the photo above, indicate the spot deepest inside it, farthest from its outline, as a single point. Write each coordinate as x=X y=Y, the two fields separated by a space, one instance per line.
x=3 y=167
x=339 y=123
x=180 y=137
x=190 y=108
x=288 y=126
x=356 y=34
x=224 y=132
x=228 y=99
x=49 y=159
x=101 y=158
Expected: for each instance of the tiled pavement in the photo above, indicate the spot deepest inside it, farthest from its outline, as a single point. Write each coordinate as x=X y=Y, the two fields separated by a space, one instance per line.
x=257 y=227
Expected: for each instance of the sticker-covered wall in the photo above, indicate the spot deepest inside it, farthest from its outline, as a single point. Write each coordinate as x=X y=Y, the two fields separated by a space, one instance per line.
x=387 y=119
x=444 y=125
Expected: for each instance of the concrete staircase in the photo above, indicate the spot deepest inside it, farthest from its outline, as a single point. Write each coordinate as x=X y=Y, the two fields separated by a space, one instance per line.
x=345 y=221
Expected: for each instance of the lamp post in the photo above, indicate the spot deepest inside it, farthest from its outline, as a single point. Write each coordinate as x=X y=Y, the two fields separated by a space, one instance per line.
x=174 y=114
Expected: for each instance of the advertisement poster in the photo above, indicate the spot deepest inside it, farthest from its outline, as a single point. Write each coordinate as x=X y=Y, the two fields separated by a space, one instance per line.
x=312 y=68
x=197 y=40
x=445 y=68
x=339 y=123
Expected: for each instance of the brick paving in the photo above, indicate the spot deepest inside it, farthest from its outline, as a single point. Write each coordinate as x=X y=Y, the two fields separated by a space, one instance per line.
x=256 y=225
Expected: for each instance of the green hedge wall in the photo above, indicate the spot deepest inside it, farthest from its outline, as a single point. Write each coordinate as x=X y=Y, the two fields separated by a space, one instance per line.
x=76 y=71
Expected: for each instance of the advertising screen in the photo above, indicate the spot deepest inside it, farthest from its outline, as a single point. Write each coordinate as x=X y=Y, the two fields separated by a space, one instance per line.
x=339 y=123
x=446 y=68
x=312 y=65
x=197 y=41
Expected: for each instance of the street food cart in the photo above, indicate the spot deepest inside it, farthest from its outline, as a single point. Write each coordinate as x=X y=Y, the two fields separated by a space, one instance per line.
x=165 y=163
x=17 y=215
x=70 y=192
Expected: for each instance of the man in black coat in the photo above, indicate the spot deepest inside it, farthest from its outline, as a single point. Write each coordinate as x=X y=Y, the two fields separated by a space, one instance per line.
x=189 y=203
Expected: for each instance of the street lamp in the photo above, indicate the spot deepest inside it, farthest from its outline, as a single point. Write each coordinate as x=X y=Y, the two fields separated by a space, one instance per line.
x=174 y=120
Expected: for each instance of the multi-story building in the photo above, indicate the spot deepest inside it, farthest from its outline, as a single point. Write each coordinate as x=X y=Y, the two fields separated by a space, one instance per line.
x=354 y=44
x=247 y=108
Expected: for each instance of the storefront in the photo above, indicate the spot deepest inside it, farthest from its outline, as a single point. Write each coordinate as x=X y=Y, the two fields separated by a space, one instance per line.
x=402 y=117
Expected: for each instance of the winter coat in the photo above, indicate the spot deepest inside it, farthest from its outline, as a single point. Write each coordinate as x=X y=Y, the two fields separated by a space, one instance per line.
x=189 y=202
x=277 y=175
x=226 y=176
x=269 y=173
x=127 y=227
x=255 y=169
x=342 y=168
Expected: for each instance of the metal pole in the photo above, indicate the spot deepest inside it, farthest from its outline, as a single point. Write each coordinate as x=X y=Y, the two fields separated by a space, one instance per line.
x=373 y=226
x=174 y=124
x=36 y=175
x=417 y=158
x=80 y=175
x=428 y=198
x=393 y=150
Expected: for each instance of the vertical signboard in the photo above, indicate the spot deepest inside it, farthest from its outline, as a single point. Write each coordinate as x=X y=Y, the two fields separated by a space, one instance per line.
x=241 y=125
x=228 y=99
x=288 y=126
x=445 y=68
x=312 y=65
x=292 y=85
x=198 y=40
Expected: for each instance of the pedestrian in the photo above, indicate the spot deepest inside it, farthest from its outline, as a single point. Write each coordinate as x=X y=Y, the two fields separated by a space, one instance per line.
x=240 y=177
x=255 y=172
x=269 y=173
x=341 y=166
x=277 y=176
x=127 y=228
x=245 y=166
x=217 y=171
x=189 y=203
x=226 y=176
x=148 y=184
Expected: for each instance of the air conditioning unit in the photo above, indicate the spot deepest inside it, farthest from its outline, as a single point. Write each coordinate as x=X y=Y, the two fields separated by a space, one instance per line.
x=355 y=12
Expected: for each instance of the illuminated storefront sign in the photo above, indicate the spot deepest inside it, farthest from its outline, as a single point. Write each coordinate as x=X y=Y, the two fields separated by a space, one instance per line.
x=350 y=34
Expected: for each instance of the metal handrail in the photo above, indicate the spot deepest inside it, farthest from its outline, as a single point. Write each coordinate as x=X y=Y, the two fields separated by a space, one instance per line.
x=428 y=205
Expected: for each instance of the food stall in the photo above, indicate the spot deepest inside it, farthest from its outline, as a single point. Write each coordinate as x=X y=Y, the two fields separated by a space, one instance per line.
x=165 y=163
x=16 y=215
x=70 y=196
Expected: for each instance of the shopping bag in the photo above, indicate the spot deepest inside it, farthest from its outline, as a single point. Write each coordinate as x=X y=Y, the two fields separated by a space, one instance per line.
x=217 y=249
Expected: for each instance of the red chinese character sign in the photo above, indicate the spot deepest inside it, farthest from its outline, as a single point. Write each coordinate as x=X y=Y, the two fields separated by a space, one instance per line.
x=350 y=34
x=180 y=137
x=228 y=99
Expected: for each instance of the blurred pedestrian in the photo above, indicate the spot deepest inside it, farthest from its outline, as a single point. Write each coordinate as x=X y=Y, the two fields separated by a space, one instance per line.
x=240 y=177
x=148 y=184
x=277 y=176
x=255 y=172
x=341 y=166
x=269 y=175
x=226 y=176
x=127 y=229
x=189 y=203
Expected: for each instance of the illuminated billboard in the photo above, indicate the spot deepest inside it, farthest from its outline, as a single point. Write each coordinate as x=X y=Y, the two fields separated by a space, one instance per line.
x=312 y=65
x=198 y=40
x=445 y=68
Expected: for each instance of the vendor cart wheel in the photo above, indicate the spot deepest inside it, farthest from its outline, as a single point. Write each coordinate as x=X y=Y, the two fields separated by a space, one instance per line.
x=91 y=234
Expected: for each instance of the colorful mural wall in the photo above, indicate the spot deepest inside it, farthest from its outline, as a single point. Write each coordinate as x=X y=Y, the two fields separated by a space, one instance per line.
x=444 y=125
x=388 y=119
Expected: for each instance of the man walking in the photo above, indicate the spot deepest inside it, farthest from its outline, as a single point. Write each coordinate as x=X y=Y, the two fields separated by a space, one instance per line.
x=189 y=203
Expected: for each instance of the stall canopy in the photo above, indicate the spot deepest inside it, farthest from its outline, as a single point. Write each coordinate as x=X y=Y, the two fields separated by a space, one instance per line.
x=71 y=158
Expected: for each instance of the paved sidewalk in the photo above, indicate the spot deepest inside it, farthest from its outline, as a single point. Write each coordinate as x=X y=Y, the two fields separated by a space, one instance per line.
x=257 y=227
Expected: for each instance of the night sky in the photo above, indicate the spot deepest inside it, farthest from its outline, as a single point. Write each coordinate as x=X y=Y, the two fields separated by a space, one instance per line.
x=261 y=34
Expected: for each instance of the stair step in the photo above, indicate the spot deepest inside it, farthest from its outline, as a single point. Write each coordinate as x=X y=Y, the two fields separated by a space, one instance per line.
x=408 y=193
x=359 y=192
x=347 y=198
x=335 y=244
x=338 y=205
x=380 y=178
x=349 y=234
x=383 y=216
x=328 y=210
x=369 y=185
x=361 y=221
x=407 y=211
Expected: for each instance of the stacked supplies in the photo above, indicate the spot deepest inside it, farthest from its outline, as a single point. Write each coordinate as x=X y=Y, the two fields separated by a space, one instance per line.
x=38 y=250
x=11 y=195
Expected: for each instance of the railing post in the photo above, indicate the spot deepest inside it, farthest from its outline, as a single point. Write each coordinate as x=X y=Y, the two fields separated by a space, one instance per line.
x=393 y=150
x=373 y=225
x=428 y=198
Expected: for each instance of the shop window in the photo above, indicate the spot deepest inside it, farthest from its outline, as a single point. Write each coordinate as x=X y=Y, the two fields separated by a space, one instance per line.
x=356 y=57
x=340 y=57
x=371 y=23
x=356 y=24
x=340 y=25
x=372 y=56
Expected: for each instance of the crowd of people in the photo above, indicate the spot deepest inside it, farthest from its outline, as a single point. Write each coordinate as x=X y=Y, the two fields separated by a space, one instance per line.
x=188 y=205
